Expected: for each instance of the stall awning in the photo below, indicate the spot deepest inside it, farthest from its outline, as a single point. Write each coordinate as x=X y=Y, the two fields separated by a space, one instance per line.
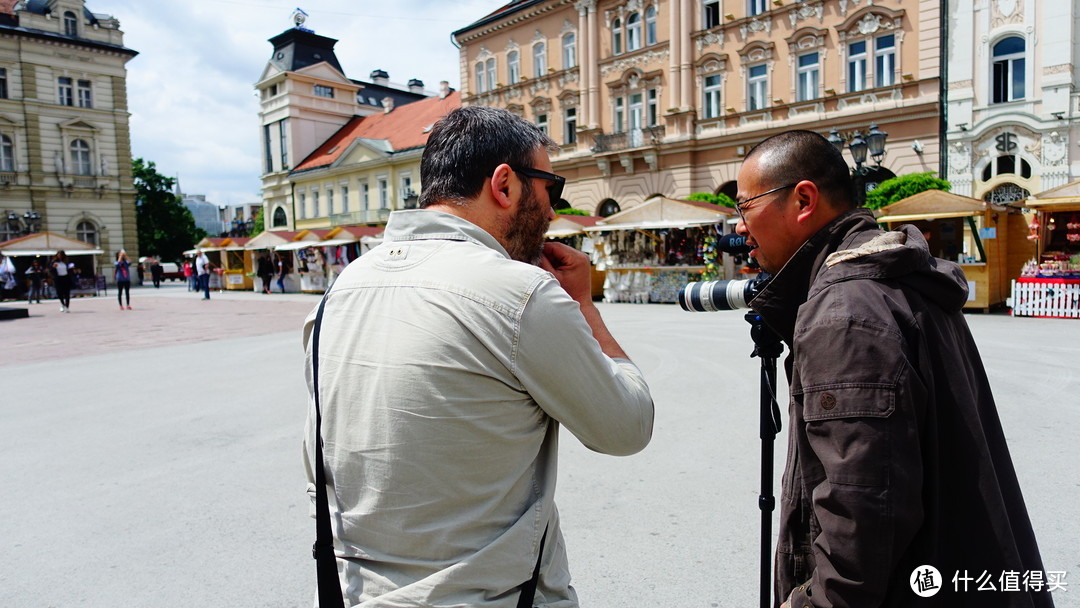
x=294 y=245
x=913 y=217
x=654 y=225
x=336 y=242
x=203 y=249
x=15 y=253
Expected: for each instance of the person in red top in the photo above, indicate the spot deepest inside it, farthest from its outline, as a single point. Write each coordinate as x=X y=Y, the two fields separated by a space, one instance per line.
x=189 y=274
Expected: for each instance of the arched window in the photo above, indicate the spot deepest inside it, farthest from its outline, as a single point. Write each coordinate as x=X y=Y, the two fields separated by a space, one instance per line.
x=616 y=37
x=607 y=207
x=540 y=58
x=1009 y=70
x=650 y=25
x=280 y=219
x=71 y=24
x=80 y=157
x=569 y=51
x=633 y=32
x=7 y=154
x=87 y=232
x=513 y=66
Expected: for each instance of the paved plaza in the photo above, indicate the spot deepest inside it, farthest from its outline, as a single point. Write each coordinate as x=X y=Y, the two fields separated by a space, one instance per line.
x=152 y=457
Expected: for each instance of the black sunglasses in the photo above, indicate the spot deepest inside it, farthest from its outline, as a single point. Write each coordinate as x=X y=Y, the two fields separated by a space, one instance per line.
x=557 y=182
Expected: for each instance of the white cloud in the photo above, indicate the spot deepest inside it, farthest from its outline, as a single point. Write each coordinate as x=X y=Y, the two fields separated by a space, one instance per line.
x=190 y=89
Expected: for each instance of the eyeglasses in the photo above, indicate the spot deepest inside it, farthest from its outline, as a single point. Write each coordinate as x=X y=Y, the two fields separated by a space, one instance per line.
x=557 y=182
x=740 y=206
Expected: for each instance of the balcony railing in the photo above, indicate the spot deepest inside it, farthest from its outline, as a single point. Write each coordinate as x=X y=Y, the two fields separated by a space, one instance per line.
x=634 y=138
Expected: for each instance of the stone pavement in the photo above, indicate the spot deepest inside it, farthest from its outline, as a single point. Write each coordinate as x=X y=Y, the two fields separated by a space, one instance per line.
x=186 y=487
x=168 y=315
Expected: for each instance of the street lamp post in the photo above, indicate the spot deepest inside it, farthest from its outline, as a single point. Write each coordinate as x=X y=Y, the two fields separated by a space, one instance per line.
x=865 y=177
x=29 y=223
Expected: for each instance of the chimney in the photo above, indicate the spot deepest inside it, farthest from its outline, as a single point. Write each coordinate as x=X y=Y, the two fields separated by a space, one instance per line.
x=416 y=86
x=387 y=104
x=380 y=77
x=444 y=89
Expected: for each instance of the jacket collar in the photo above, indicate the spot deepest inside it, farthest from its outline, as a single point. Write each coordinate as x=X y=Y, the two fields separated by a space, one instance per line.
x=427 y=224
x=778 y=303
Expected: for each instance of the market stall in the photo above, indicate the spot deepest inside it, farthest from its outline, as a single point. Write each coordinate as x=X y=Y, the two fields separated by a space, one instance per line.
x=1049 y=285
x=214 y=248
x=346 y=243
x=988 y=241
x=43 y=246
x=264 y=244
x=306 y=260
x=652 y=250
x=237 y=269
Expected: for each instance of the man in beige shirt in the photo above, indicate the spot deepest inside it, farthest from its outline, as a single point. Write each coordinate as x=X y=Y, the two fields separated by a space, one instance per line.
x=449 y=357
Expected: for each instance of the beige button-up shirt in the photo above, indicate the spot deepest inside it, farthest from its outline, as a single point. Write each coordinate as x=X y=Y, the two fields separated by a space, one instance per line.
x=446 y=369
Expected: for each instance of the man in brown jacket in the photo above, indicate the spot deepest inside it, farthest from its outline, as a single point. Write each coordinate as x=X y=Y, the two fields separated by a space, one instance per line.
x=897 y=460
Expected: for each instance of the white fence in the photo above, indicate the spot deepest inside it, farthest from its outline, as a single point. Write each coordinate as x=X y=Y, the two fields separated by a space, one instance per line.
x=1050 y=298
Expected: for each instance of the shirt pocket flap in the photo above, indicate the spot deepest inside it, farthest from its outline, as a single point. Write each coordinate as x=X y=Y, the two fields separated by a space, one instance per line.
x=856 y=400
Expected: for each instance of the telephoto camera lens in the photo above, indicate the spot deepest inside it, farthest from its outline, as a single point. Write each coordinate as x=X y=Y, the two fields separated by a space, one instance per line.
x=711 y=296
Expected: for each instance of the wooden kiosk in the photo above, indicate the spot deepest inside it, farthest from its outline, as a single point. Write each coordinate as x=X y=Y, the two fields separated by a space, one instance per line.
x=989 y=242
x=652 y=250
x=1050 y=284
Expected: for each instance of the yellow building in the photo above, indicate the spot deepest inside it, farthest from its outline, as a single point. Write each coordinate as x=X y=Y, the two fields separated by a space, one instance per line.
x=65 y=144
x=664 y=97
x=368 y=168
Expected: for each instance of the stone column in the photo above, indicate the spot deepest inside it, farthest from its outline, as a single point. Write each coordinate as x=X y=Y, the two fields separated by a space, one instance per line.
x=585 y=61
x=594 y=65
x=675 y=53
x=686 y=59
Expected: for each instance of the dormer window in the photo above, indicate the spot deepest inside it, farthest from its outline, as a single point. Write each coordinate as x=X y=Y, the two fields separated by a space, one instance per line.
x=71 y=24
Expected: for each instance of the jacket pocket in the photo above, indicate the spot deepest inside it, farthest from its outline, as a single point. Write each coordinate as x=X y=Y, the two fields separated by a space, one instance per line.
x=848 y=400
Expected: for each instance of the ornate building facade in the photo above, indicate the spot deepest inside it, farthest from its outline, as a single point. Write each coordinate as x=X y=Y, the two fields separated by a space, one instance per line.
x=1012 y=97
x=65 y=144
x=665 y=96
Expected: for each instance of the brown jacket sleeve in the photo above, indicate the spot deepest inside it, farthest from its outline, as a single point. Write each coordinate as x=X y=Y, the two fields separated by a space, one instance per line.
x=860 y=451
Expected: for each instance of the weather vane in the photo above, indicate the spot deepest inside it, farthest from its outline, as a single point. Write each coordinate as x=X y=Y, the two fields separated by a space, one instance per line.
x=299 y=17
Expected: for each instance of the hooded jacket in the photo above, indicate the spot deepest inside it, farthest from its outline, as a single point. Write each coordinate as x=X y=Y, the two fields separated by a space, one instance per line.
x=896 y=456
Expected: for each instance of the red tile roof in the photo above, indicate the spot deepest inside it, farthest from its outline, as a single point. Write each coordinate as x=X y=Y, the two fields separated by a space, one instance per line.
x=7 y=7
x=405 y=127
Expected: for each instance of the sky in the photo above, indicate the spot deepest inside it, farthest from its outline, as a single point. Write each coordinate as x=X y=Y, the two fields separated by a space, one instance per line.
x=194 y=110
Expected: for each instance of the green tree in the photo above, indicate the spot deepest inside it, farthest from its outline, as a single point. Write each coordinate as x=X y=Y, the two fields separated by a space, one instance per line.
x=719 y=198
x=166 y=228
x=571 y=211
x=903 y=186
x=258 y=223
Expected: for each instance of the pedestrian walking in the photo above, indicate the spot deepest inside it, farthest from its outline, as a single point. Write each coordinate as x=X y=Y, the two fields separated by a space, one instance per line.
x=202 y=270
x=156 y=272
x=62 y=273
x=123 y=279
x=35 y=275
x=265 y=270
x=189 y=276
x=283 y=270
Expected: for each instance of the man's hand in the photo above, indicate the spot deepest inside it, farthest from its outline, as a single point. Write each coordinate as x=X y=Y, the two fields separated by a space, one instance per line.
x=571 y=268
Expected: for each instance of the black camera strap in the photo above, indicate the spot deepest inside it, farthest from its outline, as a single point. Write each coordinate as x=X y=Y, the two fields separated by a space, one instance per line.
x=329 y=585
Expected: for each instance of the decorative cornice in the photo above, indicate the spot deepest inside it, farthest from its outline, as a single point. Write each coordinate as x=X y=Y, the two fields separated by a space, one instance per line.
x=628 y=62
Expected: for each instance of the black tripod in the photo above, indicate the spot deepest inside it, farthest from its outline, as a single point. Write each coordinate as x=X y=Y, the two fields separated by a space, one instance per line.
x=768 y=347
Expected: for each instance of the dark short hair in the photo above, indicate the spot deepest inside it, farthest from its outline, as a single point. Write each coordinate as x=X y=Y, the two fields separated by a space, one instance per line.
x=792 y=156
x=466 y=145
